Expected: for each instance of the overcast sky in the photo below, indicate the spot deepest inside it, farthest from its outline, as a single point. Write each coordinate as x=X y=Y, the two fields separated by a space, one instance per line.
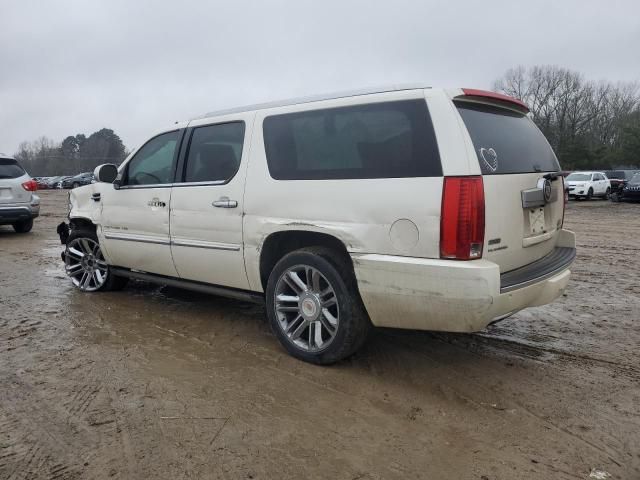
x=70 y=67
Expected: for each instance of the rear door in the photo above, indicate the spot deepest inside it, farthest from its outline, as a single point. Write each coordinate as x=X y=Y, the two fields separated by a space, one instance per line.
x=524 y=199
x=207 y=202
x=602 y=184
x=12 y=176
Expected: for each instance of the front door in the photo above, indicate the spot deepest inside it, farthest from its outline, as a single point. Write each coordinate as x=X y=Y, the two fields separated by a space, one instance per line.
x=207 y=203
x=134 y=223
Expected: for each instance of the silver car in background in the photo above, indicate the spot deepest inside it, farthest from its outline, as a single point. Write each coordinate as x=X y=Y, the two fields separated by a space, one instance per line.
x=19 y=205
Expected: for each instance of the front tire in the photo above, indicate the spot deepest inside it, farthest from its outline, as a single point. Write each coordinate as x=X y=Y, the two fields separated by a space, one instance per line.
x=590 y=194
x=314 y=306
x=23 y=226
x=86 y=266
x=75 y=185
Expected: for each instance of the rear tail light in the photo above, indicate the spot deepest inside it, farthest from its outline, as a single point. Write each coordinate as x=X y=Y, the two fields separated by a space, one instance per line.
x=30 y=185
x=462 y=218
x=565 y=193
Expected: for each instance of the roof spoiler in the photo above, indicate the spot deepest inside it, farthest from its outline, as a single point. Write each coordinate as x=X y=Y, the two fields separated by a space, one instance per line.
x=497 y=97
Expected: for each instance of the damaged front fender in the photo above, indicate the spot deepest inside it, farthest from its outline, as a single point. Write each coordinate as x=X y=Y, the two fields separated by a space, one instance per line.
x=63 y=232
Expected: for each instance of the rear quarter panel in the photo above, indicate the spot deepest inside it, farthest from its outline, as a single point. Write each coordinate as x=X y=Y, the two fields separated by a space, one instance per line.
x=359 y=212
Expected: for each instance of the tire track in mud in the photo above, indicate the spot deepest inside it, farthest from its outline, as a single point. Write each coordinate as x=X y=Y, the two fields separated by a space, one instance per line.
x=520 y=347
x=610 y=452
x=30 y=449
x=58 y=432
x=96 y=404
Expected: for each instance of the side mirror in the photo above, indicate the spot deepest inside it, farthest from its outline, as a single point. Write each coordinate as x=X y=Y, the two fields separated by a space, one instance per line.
x=106 y=173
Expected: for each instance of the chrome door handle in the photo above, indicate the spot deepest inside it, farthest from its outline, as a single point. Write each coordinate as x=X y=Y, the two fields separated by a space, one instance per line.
x=224 y=202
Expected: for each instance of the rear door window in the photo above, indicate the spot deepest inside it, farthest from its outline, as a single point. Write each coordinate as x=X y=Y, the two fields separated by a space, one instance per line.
x=214 y=152
x=506 y=141
x=10 y=169
x=380 y=140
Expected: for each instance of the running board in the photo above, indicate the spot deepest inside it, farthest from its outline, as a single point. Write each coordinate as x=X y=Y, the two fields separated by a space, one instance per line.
x=243 y=295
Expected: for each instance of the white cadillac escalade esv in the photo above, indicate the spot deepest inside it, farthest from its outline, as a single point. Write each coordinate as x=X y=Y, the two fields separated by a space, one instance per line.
x=413 y=208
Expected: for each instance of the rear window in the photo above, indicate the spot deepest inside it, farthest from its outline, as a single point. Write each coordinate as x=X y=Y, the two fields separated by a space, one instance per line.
x=579 y=177
x=615 y=174
x=381 y=140
x=10 y=169
x=506 y=141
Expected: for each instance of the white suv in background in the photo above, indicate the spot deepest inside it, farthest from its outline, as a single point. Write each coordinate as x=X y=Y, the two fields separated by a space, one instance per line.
x=415 y=208
x=19 y=205
x=588 y=185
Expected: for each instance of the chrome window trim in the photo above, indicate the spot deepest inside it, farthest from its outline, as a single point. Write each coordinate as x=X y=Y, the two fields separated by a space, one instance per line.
x=201 y=184
x=153 y=185
x=175 y=184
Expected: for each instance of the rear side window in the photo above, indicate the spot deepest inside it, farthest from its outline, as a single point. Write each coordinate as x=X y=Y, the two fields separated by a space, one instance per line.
x=506 y=141
x=214 y=152
x=381 y=140
x=10 y=169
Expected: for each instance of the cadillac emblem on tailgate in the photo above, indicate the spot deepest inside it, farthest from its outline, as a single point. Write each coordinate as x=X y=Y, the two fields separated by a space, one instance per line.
x=546 y=190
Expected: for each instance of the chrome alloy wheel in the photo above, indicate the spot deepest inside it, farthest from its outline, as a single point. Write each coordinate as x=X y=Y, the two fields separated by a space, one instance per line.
x=85 y=264
x=307 y=308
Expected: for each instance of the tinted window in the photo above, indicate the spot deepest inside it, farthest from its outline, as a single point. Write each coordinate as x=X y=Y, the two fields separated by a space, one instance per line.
x=10 y=168
x=154 y=163
x=383 y=140
x=506 y=141
x=214 y=152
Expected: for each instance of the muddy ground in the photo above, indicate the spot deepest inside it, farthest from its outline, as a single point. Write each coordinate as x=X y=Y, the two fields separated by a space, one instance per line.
x=154 y=382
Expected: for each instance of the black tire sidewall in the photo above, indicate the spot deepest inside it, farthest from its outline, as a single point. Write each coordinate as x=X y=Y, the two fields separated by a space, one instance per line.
x=345 y=297
x=23 y=226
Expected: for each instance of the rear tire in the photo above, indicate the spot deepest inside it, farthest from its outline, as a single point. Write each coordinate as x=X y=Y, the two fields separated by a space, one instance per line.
x=314 y=306
x=24 y=226
x=85 y=265
x=607 y=193
x=75 y=185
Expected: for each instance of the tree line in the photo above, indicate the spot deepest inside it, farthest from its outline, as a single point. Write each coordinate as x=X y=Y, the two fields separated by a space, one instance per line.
x=76 y=154
x=590 y=125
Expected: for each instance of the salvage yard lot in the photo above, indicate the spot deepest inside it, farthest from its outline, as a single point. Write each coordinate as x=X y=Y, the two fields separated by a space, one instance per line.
x=162 y=383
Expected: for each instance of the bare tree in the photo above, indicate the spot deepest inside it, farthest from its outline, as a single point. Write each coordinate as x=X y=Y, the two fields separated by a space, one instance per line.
x=583 y=120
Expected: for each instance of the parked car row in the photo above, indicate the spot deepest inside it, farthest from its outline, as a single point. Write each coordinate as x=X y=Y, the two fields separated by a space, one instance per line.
x=615 y=185
x=75 y=181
